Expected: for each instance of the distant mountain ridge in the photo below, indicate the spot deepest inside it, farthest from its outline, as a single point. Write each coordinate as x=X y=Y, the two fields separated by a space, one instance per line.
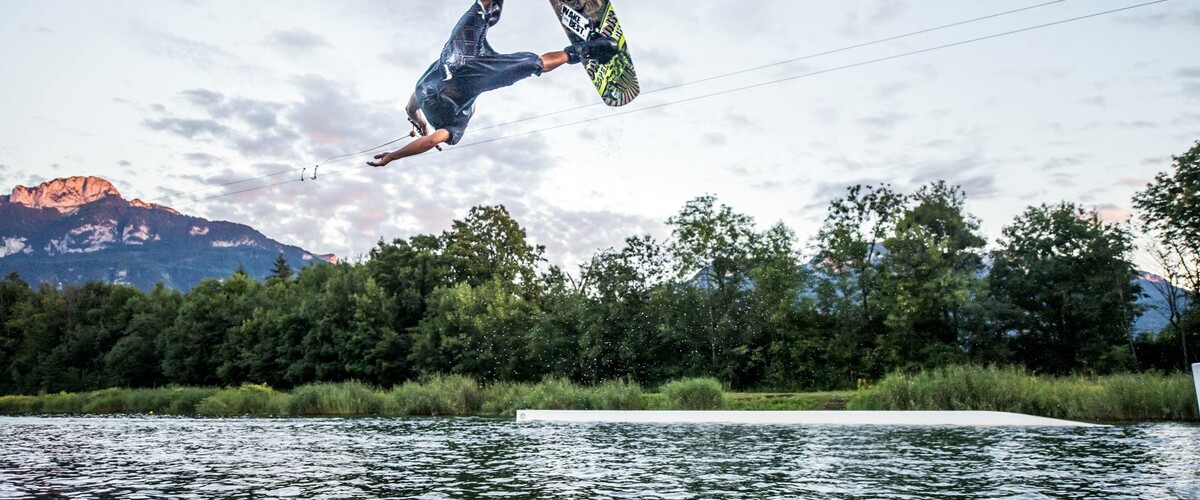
x=1155 y=309
x=80 y=229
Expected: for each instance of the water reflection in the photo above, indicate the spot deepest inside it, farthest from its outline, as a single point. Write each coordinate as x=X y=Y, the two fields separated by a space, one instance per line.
x=146 y=457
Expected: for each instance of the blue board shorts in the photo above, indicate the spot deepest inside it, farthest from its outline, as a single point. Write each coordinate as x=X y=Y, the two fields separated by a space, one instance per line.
x=467 y=68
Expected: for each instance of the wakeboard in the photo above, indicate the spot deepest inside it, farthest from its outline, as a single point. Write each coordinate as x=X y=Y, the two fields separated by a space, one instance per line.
x=584 y=20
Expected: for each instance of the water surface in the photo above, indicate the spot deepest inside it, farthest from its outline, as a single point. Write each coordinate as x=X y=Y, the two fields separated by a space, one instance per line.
x=154 y=457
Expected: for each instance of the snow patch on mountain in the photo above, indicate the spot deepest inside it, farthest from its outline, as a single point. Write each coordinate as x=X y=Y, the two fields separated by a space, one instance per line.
x=136 y=235
x=13 y=246
x=242 y=242
x=84 y=239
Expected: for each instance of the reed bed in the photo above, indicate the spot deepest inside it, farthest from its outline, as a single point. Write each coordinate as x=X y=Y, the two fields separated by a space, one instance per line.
x=1128 y=397
x=249 y=399
x=344 y=399
x=693 y=394
x=1124 y=397
x=445 y=396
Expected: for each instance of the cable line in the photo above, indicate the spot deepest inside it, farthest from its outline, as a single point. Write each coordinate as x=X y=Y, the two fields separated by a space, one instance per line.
x=746 y=87
x=789 y=61
x=339 y=158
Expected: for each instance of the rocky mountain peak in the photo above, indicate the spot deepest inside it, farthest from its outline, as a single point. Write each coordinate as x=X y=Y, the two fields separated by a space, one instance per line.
x=63 y=193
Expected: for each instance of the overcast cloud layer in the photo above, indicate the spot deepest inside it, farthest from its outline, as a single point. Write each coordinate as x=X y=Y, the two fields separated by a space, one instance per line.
x=176 y=101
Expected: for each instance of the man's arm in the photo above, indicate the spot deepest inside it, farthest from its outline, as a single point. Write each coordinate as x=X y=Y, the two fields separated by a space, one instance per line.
x=421 y=145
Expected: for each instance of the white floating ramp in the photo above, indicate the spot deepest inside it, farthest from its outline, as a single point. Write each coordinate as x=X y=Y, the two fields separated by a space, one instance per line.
x=846 y=417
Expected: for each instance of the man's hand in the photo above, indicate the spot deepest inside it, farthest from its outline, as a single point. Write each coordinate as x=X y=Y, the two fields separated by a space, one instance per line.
x=421 y=145
x=381 y=160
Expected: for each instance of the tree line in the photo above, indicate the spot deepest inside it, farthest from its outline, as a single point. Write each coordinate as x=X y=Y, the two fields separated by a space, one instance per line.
x=893 y=281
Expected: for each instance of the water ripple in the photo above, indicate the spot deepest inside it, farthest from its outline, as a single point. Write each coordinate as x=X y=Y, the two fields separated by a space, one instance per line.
x=162 y=457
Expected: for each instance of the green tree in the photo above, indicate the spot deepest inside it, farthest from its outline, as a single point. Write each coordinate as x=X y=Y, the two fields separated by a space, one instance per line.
x=282 y=271
x=714 y=246
x=13 y=293
x=349 y=332
x=194 y=346
x=408 y=271
x=1067 y=280
x=42 y=321
x=134 y=360
x=779 y=349
x=617 y=334
x=264 y=346
x=479 y=331
x=931 y=275
x=489 y=245
x=715 y=242
x=849 y=278
x=1169 y=208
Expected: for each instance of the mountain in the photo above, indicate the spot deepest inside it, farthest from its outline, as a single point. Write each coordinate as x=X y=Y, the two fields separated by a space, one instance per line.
x=1155 y=306
x=80 y=229
x=1156 y=311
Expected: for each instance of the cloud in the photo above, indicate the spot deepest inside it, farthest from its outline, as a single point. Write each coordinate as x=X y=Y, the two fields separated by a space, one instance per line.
x=1182 y=15
x=1192 y=90
x=1112 y=213
x=1138 y=124
x=177 y=48
x=347 y=208
x=826 y=192
x=856 y=24
x=886 y=11
x=961 y=172
x=333 y=116
x=250 y=127
x=408 y=56
x=1063 y=162
x=885 y=121
x=1062 y=179
x=714 y=138
x=657 y=58
x=1188 y=118
x=187 y=128
x=1156 y=161
x=892 y=89
x=768 y=185
x=202 y=159
x=296 y=41
x=573 y=236
x=1133 y=182
x=124 y=163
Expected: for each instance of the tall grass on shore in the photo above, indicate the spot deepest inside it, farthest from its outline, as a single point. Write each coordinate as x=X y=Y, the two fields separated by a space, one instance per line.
x=446 y=395
x=441 y=396
x=249 y=399
x=1130 y=397
x=559 y=394
x=169 y=400
x=1125 y=397
x=693 y=394
x=344 y=399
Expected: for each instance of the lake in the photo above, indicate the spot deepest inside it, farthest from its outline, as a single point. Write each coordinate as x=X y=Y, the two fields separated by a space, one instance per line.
x=154 y=457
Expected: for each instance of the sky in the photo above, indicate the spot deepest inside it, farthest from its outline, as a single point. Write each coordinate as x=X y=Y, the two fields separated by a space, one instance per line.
x=172 y=99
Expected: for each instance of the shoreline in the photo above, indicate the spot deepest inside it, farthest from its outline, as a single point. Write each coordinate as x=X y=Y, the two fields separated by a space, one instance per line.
x=1142 y=397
